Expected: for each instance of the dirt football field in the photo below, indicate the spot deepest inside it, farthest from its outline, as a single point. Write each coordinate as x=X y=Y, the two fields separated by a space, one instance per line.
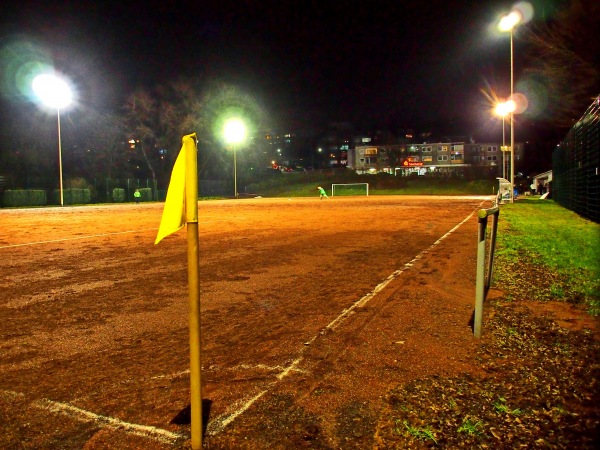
x=311 y=311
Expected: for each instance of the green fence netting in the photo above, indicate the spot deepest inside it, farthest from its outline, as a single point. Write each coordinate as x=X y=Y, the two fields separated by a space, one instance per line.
x=576 y=166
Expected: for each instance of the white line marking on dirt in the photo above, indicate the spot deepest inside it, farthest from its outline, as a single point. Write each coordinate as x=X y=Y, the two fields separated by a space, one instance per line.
x=76 y=238
x=290 y=368
x=363 y=301
x=11 y=395
x=217 y=424
x=93 y=236
x=171 y=376
x=157 y=434
x=260 y=367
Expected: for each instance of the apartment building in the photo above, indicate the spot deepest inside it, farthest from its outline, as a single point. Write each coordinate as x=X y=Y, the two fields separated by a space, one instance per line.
x=438 y=158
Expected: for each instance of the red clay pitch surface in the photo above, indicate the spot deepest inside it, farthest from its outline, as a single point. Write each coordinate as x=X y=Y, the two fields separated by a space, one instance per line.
x=311 y=311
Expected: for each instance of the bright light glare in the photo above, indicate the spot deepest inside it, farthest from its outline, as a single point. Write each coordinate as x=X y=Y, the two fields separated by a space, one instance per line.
x=525 y=9
x=502 y=109
x=234 y=131
x=520 y=102
x=508 y=22
x=52 y=91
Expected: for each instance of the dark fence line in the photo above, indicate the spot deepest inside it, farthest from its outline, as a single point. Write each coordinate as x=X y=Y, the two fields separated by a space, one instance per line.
x=576 y=166
x=106 y=190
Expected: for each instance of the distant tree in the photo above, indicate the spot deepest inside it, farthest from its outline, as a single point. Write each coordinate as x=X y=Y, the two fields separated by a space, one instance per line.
x=179 y=107
x=158 y=120
x=141 y=122
x=565 y=55
x=187 y=107
x=28 y=152
x=102 y=139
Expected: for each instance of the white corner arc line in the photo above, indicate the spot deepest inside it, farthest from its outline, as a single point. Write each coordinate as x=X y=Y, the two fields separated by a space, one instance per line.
x=82 y=415
x=218 y=424
x=158 y=434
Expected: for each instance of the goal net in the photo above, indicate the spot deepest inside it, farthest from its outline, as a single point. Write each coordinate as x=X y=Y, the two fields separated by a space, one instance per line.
x=349 y=189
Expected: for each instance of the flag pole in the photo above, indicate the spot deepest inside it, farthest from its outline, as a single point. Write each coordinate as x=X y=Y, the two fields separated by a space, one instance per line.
x=191 y=214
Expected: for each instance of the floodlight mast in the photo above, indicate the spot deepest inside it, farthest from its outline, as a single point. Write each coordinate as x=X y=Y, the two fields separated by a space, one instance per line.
x=55 y=93
x=502 y=109
x=235 y=133
x=509 y=23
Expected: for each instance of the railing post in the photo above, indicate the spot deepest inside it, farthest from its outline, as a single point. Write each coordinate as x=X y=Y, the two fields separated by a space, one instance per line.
x=493 y=233
x=483 y=282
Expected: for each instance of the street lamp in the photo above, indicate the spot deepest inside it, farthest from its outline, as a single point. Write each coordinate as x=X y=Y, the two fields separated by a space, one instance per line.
x=508 y=23
x=235 y=133
x=502 y=109
x=55 y=93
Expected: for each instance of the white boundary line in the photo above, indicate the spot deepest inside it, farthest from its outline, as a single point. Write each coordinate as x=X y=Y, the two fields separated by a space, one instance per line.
x=93 y=236
x=219 y=423
x=157 y=434
x=363 y=301
x=75 y=238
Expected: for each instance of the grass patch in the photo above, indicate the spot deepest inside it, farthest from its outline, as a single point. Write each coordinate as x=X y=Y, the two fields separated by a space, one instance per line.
x=469 y=427
x=558 y=241
x=423 y=434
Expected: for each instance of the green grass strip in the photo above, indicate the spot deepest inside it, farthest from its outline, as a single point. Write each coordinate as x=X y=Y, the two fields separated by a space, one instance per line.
x=534 y=231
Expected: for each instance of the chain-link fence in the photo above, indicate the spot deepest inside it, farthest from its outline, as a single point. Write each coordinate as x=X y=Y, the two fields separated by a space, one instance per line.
x=576 y=166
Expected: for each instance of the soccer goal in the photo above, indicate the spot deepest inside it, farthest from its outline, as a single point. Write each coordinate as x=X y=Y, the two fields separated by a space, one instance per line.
x=350 y=189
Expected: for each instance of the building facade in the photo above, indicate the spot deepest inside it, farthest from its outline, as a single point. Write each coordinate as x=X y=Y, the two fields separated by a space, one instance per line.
x=432 y=158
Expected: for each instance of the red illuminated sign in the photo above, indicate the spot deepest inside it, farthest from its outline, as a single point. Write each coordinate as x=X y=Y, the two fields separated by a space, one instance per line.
x=407 y=163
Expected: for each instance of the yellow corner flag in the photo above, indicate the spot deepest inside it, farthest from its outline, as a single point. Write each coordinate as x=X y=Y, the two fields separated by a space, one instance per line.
x=181 y=207
x=173 y=218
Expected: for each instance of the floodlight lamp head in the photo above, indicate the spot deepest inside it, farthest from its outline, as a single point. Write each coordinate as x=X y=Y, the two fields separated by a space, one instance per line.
x=504 y=108
x=234 y=131
x=52 y=91
x=510 y=21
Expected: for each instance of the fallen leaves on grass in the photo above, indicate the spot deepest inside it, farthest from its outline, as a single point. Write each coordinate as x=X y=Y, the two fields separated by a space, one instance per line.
x=540 y=388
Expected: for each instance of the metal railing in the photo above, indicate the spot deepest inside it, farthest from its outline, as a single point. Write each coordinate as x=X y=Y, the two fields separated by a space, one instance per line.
x=485 y=263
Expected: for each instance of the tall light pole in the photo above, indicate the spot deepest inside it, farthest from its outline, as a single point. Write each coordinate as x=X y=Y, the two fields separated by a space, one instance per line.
x=502 y=109
x=235 y=133
x=55 y=93
x=508 y=23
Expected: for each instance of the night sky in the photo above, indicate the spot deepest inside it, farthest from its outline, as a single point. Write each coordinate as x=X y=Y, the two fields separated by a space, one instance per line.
x=401 y=64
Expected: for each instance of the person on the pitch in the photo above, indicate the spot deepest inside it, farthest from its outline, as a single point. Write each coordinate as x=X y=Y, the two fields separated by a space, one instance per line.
x=322 y=193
